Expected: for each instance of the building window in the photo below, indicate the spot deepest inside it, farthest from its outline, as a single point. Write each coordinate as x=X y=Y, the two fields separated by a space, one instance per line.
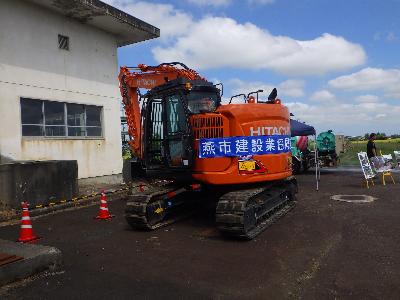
x=63 y=42
x=93 y=120
x=54 y=118
x=32 y=117
x=76 y=119
x=59 y=119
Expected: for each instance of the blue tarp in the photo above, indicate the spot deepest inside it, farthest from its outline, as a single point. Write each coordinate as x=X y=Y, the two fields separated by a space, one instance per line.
x=300 y=129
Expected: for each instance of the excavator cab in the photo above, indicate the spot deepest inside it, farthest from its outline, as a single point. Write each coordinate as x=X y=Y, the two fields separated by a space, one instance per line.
x=168 y=138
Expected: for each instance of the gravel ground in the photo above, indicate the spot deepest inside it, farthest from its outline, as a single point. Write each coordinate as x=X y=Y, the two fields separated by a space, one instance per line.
x=322 y=249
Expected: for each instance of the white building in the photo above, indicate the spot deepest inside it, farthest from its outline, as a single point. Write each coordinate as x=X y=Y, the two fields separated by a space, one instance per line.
x=59 y=95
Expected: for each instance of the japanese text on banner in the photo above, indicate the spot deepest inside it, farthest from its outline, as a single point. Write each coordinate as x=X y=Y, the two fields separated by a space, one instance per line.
x=244 y=145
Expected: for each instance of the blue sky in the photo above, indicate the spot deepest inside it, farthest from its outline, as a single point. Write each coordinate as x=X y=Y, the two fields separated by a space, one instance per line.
x=335 y=63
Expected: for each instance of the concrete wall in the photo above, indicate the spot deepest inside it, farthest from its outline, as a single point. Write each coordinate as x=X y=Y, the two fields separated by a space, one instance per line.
x=32 y=66
x=38 y=183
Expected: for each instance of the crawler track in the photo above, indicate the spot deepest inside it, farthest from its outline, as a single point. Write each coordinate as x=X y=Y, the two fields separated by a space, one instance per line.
x=157 y=207
x=242 y=213
x=246 y=213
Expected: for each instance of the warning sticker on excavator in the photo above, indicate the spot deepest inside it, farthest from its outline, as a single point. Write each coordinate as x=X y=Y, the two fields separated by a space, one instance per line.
x=159 y=210
x=247 y=165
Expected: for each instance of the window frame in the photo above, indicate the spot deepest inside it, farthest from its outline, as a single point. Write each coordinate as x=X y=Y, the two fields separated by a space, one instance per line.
x=65 y=125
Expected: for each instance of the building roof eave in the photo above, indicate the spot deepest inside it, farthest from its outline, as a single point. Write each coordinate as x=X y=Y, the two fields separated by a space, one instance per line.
x=126 y=28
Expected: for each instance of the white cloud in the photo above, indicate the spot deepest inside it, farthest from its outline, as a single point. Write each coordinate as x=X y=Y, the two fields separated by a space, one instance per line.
x=369 y=79
x=367 y=99
x=391 y=36
x=323 y=96
x=291 y=88
x=216 y=42
x=377 y=36
x=260 y=2
x=388 y=36
x=227 y=2
x=351 y=119
x=221 y=42
x=171 y=21
x=210 y=2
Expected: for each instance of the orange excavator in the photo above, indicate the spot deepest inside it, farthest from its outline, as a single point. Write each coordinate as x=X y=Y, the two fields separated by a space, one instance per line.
x=237 y=154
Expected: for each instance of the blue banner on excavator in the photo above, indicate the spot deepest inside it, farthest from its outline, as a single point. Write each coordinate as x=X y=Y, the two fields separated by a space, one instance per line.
x=244 y=145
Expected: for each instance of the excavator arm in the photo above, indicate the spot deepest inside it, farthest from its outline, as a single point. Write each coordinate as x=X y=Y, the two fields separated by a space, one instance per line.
x=146 y=77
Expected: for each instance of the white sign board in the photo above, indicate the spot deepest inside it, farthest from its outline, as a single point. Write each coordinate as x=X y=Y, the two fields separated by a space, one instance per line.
x=382 y=163
x=397 y=157
x=365 y=165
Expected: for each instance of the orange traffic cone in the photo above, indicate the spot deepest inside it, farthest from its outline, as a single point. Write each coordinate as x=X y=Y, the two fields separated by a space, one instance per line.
x=104 y=214
x=26 y=233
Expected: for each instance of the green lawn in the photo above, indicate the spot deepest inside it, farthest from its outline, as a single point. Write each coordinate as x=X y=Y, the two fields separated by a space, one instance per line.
x=352 y=148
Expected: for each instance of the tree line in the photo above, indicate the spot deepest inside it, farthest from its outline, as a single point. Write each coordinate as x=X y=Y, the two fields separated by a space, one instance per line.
x=382 y=136
x=379 y=136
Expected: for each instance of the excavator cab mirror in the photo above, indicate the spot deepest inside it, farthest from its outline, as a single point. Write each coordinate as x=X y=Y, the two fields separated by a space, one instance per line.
x=272 y=96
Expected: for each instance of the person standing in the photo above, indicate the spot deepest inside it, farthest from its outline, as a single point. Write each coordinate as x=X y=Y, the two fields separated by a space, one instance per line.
x=371 y=148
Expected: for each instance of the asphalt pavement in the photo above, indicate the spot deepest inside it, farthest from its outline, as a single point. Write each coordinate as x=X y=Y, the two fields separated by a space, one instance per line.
x=322 y=249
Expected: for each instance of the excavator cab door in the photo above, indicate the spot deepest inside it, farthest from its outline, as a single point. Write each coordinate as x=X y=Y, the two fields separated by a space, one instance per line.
x=168 y=141
x=178 y=137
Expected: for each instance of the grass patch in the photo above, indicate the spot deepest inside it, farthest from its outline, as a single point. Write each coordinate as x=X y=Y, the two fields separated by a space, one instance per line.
x=353 y=147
